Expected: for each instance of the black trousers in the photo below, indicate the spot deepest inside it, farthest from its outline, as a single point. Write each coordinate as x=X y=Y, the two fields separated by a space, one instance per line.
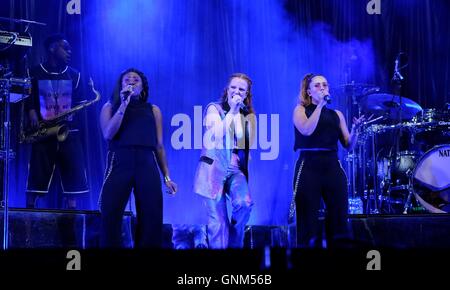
x=131 y=169
x=319 y=175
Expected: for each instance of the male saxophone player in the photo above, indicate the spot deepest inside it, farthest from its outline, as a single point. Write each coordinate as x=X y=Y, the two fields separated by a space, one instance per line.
x=55 y=88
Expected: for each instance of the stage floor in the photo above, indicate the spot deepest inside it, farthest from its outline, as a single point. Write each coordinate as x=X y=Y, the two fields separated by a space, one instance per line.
x=39 y=228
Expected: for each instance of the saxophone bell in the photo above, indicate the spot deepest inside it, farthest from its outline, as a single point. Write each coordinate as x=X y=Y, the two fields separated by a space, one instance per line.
x=61 y=132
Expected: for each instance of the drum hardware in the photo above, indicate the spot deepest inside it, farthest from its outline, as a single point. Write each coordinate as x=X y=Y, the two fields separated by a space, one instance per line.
x=423 y=179
x=390 y=106
x=373 y=196
x=355 y=205
x=399 y=187
x=6 y=152
x=410 y=192
x=396 y=174
x=353 y=92
x=13 y=45
x=385 y=179
x=23 y=21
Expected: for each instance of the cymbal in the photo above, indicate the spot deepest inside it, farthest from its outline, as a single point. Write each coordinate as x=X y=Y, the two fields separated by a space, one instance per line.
x=356 y=85
x=357 y=89
x=15 y=20
x=389 y=106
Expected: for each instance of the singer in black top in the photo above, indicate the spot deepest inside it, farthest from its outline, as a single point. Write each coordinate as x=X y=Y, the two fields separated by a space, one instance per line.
x=318 y=172
x=133 y=129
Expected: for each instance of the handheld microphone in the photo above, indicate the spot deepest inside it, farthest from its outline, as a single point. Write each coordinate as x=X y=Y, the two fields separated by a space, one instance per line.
x=128 y=92
x=327 y=98
x=243 y=107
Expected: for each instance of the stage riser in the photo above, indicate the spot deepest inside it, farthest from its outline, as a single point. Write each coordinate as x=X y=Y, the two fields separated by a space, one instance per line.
x=42 y=229
x=60 y=229
x=431 y=231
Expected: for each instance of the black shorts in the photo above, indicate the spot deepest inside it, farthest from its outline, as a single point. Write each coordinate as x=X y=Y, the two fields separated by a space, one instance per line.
x=67 y=156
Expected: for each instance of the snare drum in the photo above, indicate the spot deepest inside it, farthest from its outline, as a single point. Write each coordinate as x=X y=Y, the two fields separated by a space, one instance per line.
x=431 y=179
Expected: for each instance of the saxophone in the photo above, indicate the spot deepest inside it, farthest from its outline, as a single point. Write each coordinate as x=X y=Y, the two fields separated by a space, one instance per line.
x=56 y=126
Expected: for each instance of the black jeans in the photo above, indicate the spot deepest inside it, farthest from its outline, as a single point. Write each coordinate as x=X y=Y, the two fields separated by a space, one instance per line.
x=131 y=169
x=319 y=174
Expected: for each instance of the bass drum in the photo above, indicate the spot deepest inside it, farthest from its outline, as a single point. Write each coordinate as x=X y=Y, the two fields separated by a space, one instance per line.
x=431 y=179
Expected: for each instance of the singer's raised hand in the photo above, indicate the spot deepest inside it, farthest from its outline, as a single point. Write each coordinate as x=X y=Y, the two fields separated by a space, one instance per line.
x=357 y=122
x=323 y=101
x=125 y=94
x=235 y=103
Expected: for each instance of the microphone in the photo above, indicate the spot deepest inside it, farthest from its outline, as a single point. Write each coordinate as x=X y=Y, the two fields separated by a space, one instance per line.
x=327 y=98
x=243 y=107
x=128 y=92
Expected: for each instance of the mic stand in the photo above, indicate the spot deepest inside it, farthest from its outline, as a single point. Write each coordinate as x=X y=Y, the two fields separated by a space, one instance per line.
x=351 y=156
x=395 y=157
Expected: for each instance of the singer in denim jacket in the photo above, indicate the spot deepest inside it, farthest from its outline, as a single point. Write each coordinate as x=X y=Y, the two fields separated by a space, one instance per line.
x=223 y=167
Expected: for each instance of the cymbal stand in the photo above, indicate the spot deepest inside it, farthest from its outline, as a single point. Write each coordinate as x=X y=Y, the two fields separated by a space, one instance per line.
x=397 y=80
x=359 y=177
x=374 y=193
x=410 y=192
x=352 y=157
x=388 y=181
x=5 y=86
x=371 y=194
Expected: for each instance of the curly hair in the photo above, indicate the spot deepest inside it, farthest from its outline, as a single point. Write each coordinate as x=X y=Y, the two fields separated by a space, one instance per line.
x=248 y=99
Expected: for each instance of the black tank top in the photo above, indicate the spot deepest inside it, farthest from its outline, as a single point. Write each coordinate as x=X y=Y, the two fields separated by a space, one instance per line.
x=138 y=128
x=326 y=134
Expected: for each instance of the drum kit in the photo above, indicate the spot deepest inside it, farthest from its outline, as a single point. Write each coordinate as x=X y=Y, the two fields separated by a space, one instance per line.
x=401 y=163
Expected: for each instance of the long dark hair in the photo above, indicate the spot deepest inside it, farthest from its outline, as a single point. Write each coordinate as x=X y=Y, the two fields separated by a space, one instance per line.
x=247 y=101
x=115 y=98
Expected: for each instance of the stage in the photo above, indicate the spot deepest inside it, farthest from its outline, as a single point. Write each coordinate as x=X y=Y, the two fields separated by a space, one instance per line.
x=377 y=70
x=50 y=229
